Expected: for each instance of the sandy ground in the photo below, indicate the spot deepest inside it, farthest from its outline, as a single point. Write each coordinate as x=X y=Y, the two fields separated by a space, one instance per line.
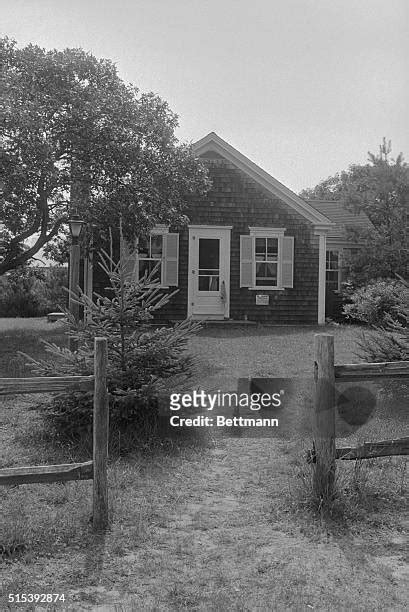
x=224 y=528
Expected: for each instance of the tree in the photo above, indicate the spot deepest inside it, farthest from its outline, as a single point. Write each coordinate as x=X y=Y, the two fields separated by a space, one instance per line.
x=75 y=135
x=380 y=189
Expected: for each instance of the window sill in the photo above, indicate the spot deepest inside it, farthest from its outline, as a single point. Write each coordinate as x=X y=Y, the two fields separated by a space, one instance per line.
x=162 y=286
x=265 y=288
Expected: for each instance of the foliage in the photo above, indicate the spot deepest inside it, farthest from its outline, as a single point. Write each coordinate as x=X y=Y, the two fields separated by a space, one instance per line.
x=390 y=342
x=377 y=301
x=381 y=190
x=31 y=292
x=55 y=288
x=74 y=134
x=378 y=258
x=144 y=362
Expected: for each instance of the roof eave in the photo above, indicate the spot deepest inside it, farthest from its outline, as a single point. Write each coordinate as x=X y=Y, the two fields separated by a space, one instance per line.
x=213 y=142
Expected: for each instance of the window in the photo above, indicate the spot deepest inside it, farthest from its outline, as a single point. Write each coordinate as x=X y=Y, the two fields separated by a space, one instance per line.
x=156 y=254
x=266 y=259
x=333 y=270
x=150 y=252
x=209 y=264
x=266 y=256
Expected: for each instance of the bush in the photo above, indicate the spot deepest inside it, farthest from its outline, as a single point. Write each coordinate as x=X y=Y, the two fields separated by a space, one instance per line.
x=55 y=288
x=378 y=301
x=32 y=292
x=21 y=293
x=390 y=342
x=143 y=363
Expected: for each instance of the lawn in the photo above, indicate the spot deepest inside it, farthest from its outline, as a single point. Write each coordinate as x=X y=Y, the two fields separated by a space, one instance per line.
x=225 y=525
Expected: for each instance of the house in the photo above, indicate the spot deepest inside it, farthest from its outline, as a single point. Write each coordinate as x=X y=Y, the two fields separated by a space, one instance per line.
x=253 y=250
x=339 y=248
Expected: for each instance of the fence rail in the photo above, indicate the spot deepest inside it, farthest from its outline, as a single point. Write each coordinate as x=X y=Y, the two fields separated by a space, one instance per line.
x=52 y=384
x=326 y=374
x=96 y=469
x=47 y=473
x=369 y=450
x=363 y=371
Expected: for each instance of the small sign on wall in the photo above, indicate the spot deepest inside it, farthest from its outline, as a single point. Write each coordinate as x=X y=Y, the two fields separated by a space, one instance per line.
x=262 y=299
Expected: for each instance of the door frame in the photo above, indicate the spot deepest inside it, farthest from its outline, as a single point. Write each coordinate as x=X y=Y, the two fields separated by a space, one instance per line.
x=209 y=231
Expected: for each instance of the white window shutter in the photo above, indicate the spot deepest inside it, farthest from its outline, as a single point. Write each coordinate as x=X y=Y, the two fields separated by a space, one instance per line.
x=246 y=261
x=170 y=259
x=287 y=262
x=130 y=254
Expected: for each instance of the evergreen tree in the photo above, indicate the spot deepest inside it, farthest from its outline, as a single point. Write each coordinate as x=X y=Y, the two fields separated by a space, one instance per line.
x=381 y=190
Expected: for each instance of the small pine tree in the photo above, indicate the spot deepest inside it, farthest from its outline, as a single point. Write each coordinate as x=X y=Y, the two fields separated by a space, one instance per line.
x=142 y=361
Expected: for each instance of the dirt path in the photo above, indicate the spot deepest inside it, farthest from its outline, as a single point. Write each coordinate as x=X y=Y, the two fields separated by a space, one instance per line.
x=231 y=545
x=232 y=542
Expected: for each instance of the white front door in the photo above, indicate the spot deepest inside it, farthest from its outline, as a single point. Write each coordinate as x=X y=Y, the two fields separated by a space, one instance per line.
x=209 y=272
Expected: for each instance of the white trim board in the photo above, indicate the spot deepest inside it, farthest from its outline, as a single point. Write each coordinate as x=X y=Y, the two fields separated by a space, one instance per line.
x=213 y=142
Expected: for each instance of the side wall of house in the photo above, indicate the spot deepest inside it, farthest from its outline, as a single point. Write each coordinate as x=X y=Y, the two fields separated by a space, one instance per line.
x=239 y=201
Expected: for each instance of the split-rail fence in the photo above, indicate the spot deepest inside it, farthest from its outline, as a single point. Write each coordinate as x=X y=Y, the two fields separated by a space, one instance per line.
x=95 y=469
x=326 y=375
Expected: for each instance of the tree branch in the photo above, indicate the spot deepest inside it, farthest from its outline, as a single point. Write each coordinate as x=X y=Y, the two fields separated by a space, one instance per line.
x=10 y=262
x=41 y=217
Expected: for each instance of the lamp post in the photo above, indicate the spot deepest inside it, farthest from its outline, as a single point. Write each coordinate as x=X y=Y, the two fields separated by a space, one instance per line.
x=75 y=224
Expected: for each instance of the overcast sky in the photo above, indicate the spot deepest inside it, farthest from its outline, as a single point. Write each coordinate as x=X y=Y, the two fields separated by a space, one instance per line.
x=302 y=87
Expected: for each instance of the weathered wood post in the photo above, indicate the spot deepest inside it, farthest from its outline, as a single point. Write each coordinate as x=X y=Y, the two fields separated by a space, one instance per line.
x=100 y=446
x=324 y=416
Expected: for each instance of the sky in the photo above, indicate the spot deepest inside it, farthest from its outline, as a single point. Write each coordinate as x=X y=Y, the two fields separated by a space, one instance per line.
x=304 y=88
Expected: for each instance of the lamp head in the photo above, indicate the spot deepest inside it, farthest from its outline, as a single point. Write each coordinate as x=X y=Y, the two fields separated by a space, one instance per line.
x=75 y=223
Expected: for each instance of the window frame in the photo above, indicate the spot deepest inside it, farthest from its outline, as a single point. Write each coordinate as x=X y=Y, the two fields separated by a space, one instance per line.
x=338 y=269
x=158 y=230
x=268 y=232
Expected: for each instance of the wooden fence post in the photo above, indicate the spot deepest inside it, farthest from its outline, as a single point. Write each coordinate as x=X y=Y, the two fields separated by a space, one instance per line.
x=100 y=446
x=324 y=416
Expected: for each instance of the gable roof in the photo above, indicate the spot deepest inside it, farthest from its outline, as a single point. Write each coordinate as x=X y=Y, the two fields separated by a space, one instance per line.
x=213 y=142
x=336 y=211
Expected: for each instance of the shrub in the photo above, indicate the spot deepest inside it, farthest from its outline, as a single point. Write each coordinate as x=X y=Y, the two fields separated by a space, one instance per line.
x=32 y=292
x=55 y=288
x=377 y=302
x=390 y=342
x=142 y=361
x=21 y=293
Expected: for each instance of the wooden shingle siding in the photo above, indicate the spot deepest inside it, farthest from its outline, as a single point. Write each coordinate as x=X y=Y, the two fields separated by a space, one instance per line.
x=239 y=201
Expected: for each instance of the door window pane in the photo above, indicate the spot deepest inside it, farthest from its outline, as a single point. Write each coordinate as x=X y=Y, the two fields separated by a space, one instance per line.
x=209 y=264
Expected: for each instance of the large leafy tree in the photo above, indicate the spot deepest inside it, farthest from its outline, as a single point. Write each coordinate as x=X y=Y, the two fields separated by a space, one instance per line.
x=75 y=135
x=381 y=189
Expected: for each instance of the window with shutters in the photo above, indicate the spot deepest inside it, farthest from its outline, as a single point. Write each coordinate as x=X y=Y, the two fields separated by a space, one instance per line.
x=266 y=259
x=150 y=252
x=156 y=255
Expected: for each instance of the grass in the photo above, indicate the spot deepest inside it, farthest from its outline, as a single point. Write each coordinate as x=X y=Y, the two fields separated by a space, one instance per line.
x=227 y=525
x=25 y=335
